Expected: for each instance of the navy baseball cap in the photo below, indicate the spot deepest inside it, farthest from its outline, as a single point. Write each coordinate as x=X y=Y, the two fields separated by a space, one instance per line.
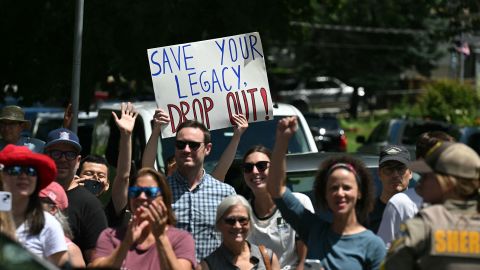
x=63 y=135
x=394 y=152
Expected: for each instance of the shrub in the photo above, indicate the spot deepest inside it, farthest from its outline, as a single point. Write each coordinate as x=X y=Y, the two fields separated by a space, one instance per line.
x=449 y=101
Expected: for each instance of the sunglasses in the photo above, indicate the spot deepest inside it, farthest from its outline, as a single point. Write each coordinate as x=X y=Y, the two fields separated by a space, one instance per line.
x=17 y=170
x=261 y=166
x=150 y=192
x=192 y=145
x=57 y=154
x=233 y=220
x=389 y=170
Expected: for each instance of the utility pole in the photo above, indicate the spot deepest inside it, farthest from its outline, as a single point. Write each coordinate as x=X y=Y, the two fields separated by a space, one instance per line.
x=77 y=62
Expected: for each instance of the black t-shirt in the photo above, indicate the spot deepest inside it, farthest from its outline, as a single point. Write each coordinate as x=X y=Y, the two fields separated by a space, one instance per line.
x=115 y=220
x=86 y=217
x=375 y=217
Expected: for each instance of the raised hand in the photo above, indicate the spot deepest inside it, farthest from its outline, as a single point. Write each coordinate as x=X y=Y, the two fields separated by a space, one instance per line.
x=135 y=228
x=241 y=124
x=126 y=122
x=287 y=126
x=157 y=216
x=67 y=116
x=160 y=117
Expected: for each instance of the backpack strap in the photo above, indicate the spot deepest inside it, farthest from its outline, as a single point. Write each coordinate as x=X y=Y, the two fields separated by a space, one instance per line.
x=265 y=256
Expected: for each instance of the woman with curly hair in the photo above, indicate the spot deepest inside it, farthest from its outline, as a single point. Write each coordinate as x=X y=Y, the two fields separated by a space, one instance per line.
x=344 y=186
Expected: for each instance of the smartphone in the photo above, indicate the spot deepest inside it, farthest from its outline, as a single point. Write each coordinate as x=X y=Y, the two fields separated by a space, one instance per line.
x=5 y=201
x=311 y=264
x=93 y=186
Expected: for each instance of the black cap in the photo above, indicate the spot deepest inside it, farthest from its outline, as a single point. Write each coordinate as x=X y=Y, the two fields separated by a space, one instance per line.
x=394 y=152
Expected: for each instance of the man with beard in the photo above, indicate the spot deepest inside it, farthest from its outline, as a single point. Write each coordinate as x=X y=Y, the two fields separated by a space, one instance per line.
x=85 y=212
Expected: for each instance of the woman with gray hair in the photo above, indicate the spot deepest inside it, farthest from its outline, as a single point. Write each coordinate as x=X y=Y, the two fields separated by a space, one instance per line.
x=233 y=221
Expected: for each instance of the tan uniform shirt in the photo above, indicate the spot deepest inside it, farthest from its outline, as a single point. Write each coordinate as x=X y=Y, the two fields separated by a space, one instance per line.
x=440 y=237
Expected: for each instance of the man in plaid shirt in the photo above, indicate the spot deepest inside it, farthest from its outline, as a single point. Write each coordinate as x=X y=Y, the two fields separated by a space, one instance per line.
x=196 y=193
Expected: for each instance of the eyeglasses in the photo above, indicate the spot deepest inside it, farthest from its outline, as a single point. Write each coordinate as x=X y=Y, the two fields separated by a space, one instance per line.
x=389 y=170
x=57 y=154
x=182 y=144
x=17 y=170
x=261 y=166
x=233 y=220
x=150 y=192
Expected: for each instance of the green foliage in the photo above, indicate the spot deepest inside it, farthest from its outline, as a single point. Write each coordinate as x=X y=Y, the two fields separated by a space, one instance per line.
x=449 y=101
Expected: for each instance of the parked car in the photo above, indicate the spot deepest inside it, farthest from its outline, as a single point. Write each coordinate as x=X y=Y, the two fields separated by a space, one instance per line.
x=326 y=131
x=322 y=92
x=31 y=114
x=402 y=132
x=45 y=122
x=106 y=135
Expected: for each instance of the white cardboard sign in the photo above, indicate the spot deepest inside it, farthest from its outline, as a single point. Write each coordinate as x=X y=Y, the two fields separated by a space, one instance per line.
x=211 y=80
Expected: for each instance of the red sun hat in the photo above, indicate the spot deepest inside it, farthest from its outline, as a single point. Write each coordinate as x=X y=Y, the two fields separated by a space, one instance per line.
x=13 y=155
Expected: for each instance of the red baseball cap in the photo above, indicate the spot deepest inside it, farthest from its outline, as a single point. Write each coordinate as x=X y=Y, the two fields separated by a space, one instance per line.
x=55 y=192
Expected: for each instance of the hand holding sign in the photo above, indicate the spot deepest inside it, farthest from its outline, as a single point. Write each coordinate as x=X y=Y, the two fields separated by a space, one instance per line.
x=211 y=81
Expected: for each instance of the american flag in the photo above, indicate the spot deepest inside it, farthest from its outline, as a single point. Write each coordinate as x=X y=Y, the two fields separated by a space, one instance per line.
x=463 y=48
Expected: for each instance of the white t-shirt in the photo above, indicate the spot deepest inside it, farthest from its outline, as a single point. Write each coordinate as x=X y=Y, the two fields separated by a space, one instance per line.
x=49 y=241
x=276 y=234
x=400 y=207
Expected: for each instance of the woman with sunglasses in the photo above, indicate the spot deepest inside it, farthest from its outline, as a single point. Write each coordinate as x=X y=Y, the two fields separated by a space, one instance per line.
x=150 y=241
x=25 y=174
x=268 y=226
x=233 y=220
x=343 y=186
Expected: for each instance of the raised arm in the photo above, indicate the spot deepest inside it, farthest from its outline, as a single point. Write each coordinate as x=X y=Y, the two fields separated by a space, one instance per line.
x=160 y=118
x=125 y=124
x=286 y=127
x=241 y=124
x=67 y=116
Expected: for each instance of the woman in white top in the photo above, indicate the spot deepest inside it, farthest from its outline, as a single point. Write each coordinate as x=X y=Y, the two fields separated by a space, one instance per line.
x=268 y=226
x=24 y=175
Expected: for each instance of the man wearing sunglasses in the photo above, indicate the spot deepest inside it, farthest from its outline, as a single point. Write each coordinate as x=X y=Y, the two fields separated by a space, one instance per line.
x=196 y=193
x=395 y=177
x=85 y=212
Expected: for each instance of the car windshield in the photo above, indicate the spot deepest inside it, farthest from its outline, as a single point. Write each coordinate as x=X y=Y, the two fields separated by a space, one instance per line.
x=257 y=133
x=322 y=122
x=413 y=130
x=313 y=84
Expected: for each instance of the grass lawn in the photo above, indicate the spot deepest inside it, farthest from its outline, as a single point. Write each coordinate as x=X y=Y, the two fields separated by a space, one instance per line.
x=353 y=128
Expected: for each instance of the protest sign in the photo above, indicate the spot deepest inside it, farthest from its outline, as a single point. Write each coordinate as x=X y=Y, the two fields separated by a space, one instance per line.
x=211 y=80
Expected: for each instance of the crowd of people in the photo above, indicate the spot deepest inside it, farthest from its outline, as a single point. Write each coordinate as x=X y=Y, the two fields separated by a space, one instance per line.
x=187 y=218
